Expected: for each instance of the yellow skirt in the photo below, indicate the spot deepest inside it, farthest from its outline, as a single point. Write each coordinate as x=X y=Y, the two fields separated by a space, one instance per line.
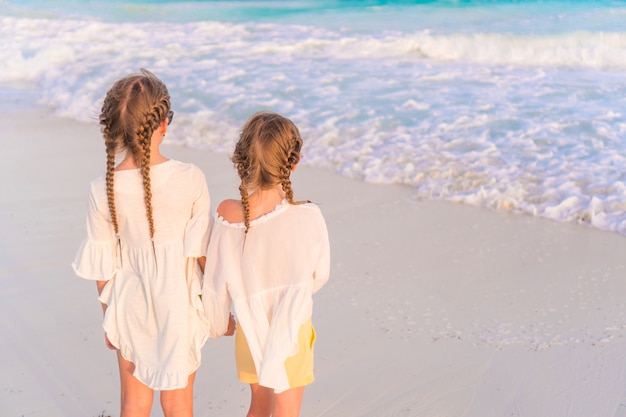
x=299 y=367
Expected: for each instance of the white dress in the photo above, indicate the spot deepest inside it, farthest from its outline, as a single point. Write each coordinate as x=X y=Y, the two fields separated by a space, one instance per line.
x=270 y=281
x=154 y=315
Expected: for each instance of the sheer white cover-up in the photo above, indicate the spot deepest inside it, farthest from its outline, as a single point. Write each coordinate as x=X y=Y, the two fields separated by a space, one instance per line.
x=154 y=314
x=270 y=281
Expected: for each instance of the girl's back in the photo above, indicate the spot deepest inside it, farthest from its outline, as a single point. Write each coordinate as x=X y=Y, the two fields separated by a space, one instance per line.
x=281 y=249
x=176 y=188
x=268 y=254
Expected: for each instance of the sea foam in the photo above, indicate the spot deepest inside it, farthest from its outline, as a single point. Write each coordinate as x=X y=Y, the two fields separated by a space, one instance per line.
x=512 y=120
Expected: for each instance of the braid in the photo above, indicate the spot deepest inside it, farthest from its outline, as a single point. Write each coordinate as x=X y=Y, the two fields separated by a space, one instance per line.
x=242 y=163
x=111 y=148
x=286 y=183
x=243 y=190
x=110 y=176
x=145 y=173
x=292 y=159
x=144 y=133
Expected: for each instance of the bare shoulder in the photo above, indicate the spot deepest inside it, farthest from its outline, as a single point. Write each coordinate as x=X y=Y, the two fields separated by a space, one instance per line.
x=231 y=211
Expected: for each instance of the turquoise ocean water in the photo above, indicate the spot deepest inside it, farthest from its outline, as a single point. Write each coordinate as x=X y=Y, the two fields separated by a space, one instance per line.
x=515 y=106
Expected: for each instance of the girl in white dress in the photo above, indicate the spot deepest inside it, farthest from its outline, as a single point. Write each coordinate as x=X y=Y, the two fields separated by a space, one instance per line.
x=267 y=256
x=147 y=232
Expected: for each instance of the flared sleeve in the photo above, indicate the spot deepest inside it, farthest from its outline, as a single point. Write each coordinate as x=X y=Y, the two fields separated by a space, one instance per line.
x=96 y=258
x=322 y=267
x=220 y=266
x=198 y=227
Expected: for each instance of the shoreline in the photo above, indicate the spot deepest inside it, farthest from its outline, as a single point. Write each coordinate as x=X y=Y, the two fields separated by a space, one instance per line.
x=433 y=308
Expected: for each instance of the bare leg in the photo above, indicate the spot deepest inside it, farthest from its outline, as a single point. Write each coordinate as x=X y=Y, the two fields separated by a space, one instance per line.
x=287 y=403
x=265 y=402
x=136 y=397
x=179 y=402
x=261 y=401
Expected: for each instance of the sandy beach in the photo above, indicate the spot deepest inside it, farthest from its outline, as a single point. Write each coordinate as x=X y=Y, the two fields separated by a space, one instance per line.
x=433 y=309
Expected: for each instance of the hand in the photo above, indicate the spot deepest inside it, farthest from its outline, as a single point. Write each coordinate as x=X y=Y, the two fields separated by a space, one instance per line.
x=232 y=325
x=108 y=342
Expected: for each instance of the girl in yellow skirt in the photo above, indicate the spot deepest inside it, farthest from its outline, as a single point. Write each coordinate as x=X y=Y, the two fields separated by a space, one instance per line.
x=267 y=256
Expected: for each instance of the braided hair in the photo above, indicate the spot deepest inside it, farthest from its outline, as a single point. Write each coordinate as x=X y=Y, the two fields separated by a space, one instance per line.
x=133 y=109
x=268 y=148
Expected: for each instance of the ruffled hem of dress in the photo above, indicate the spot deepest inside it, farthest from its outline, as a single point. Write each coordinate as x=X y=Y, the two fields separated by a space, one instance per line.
x=152 y=378
x=159 y=380
x=95 y=261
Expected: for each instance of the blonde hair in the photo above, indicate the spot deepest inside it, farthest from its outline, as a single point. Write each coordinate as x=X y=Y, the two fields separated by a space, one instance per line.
x=133 y=109
x=268 y=149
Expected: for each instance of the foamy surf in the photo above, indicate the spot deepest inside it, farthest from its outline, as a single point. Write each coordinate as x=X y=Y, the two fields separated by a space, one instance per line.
x=517 y=108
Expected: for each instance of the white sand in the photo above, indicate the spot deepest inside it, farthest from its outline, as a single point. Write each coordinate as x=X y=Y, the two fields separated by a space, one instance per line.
x=433 y=309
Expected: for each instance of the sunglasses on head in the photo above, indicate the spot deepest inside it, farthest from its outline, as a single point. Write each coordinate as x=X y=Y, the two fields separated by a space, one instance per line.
x=170 y=116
